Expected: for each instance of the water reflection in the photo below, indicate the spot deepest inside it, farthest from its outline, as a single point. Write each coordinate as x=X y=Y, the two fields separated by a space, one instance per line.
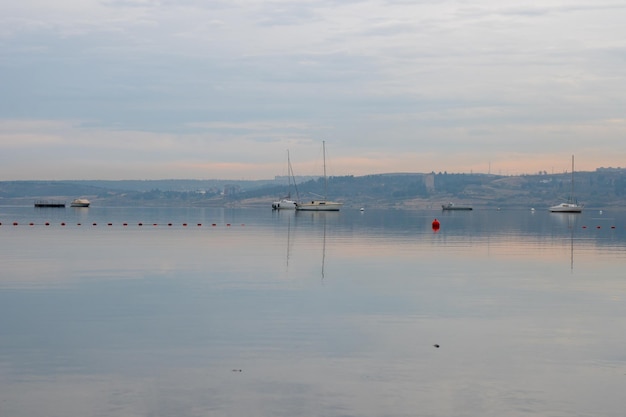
x=324 y=313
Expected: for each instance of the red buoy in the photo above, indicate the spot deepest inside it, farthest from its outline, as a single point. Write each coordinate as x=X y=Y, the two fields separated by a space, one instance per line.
x=436 y=224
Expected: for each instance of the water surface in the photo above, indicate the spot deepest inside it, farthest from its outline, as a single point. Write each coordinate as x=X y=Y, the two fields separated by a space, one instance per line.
x=241 y=312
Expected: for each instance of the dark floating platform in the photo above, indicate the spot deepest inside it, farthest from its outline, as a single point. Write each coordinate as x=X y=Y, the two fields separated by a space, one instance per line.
x=49 y=203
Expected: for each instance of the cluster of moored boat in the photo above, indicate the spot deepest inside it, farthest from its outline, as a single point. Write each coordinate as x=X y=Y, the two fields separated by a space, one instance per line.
x=571 y=206
x=313 y=205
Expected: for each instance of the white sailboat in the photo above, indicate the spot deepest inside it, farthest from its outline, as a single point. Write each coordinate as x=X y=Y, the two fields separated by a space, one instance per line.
x=571 y=206
x=287 y=203
x=320 y=205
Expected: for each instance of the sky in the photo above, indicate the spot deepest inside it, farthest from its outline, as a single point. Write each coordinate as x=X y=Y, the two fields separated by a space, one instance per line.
x=177 y=89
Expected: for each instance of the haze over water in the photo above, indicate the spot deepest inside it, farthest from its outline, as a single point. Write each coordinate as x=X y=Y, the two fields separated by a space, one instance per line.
x=251 y=312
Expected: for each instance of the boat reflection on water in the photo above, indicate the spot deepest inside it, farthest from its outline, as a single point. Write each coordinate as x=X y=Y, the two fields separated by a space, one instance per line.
x=319 y=220
x=570 y=221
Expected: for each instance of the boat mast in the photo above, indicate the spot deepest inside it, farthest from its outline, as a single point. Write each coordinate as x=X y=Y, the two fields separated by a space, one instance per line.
x=288 y=175
x=292 y=177
x=571 y=197
x=325 y=179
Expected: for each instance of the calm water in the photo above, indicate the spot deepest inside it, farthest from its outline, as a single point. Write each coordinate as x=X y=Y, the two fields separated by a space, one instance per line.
x=249 y=312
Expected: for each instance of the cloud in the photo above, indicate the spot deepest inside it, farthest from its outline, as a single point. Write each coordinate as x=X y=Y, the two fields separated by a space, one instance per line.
x=185 y=80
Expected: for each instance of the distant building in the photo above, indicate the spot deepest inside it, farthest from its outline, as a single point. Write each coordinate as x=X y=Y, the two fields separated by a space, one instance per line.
x=283 y=179
x=429 y=182
x=231 y=190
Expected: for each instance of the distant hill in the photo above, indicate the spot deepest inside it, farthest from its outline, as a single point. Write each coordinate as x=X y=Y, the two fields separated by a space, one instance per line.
x=600 y=188
x=42 y=189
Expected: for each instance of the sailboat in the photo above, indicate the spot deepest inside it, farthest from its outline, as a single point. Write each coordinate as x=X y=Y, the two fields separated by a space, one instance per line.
x=287 y=203
x=320 y=205
x=571 y=206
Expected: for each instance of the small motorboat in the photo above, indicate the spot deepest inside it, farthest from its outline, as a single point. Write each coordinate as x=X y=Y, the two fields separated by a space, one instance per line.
x=80 y=202
x=452 y=206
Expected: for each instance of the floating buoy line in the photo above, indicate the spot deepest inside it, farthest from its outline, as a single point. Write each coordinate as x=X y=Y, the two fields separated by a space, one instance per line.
x=435 y=224
x=124 y=224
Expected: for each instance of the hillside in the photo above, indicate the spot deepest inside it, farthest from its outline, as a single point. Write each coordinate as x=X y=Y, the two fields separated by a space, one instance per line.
x=600 y=188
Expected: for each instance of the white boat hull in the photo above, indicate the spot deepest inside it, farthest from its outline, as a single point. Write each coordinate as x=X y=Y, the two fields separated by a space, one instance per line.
x=284 y=205
x=319 y=205
x=566 y=208
x=80 y=202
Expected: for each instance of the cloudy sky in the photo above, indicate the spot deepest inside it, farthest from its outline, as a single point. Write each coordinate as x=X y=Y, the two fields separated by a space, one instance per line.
x=149 y=89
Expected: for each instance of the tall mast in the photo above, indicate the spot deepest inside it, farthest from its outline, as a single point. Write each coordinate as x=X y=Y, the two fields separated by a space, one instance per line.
x=572 y=192
x=289 y=172
x=292 y=177
x=325 y=180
